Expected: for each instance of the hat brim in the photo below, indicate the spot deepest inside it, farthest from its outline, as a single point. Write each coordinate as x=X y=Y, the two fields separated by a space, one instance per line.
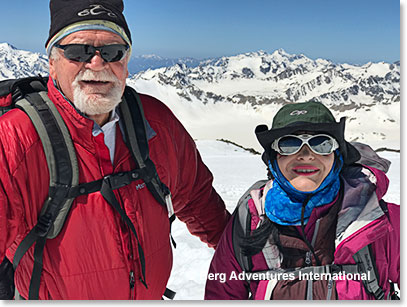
x=266 y=137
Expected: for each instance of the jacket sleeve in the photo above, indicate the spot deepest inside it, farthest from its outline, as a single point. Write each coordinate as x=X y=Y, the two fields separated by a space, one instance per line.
x=386 y=251
x=394 y=243
x=24 y=179
x=223 y=277
x=195 y=201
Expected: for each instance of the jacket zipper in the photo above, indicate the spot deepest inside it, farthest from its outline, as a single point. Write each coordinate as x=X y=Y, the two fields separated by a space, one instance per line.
x=130 y=257
x=132 y=281
x=308 y=260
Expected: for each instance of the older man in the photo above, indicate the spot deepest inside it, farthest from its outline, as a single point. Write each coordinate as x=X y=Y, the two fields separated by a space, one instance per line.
x=96 y=255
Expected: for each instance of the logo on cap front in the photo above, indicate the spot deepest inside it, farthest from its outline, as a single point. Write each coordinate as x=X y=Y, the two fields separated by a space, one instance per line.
x=96 y=9
x=298 y=112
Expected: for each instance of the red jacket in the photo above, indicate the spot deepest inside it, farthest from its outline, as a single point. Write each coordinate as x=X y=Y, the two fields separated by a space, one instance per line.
x=94 y=254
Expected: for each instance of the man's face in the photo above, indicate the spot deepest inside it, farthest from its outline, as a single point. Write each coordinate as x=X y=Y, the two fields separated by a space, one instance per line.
x=95 y=87
x=305 y=170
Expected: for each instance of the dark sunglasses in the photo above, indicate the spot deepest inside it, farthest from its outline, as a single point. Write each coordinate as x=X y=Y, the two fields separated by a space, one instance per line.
x=84 y=53
x=321 y=144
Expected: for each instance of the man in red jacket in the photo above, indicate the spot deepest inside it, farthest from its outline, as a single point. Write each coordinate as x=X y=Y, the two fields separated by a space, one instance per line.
x=95 y=256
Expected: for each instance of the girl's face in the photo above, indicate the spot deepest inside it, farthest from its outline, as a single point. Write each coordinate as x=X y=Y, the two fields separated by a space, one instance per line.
x=305 y=170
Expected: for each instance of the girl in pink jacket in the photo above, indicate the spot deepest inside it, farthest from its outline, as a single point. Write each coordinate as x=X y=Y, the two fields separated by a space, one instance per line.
x=318 y=229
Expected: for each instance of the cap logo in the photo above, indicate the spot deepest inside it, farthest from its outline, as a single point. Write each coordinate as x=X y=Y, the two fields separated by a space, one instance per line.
x=96 y=9
x=298 y=112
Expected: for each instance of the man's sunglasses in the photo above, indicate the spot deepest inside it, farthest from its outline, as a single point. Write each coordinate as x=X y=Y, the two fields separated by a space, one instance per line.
x=321 y=144
x=84 y=53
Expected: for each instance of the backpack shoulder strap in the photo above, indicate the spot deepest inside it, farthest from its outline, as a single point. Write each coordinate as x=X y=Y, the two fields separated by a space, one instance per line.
x=241 y=226
x=136 y=135
x=63 y=169
x=59 y=152
x=367 y=264
x=6 y=280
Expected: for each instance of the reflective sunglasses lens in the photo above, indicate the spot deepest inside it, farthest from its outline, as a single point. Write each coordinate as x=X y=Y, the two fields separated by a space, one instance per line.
x=113 y=53
x=289 y=144
x=321 y=144
x=79 y=53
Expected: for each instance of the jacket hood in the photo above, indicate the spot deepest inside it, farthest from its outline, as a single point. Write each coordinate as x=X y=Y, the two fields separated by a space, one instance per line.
x=377 y=165
x=382 y=181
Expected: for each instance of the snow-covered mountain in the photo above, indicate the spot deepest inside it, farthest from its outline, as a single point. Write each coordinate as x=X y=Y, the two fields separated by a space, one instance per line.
x=143 y=62
x=226 y=98
x=15 y=63
x=231 y=95
x=260 y=78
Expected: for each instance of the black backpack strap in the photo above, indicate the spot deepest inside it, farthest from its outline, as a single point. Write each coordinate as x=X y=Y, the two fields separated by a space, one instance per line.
x=63 y=170
x=136 y=135
x=242 y=226
x=107 y=193
x=59 y=151
x=367 y=264
x=6 y=280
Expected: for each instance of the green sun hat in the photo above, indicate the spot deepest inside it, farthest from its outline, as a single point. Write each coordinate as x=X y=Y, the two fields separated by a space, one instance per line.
x=304 y=112
x=311 y=116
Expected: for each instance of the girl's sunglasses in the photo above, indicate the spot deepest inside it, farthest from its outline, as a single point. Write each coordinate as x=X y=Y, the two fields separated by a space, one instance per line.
x=84 y=53
x=321 y=144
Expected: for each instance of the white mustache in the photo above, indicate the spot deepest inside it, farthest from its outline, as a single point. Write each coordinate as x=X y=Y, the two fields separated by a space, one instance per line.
x=100 y=76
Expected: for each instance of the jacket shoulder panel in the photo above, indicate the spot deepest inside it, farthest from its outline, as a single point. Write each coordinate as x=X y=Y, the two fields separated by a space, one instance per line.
x=17 y=137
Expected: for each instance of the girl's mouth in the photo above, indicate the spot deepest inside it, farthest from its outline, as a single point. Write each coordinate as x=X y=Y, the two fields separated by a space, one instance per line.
x=305 y=170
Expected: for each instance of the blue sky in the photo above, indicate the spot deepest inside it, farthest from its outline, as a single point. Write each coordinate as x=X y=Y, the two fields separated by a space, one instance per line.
x=352 y=31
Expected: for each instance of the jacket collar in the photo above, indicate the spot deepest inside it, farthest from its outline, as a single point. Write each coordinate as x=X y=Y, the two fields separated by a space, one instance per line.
x=79 y=126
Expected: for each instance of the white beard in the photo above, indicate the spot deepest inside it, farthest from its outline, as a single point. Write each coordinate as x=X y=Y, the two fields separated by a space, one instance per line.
x=94 y=104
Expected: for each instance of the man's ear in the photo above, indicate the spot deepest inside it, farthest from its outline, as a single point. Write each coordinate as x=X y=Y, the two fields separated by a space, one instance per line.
x=51 y=64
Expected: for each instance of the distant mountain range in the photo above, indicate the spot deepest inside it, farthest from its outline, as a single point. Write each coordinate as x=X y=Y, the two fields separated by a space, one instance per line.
x=260 y=78
x=144 y=62
x=241 y=91
x=227 y=97
x=12 y=59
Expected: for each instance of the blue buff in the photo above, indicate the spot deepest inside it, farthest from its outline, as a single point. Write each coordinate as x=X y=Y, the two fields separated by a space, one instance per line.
x=284 y=202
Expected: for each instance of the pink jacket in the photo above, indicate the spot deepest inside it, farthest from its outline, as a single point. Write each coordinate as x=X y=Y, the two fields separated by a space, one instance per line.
x=361 y=221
